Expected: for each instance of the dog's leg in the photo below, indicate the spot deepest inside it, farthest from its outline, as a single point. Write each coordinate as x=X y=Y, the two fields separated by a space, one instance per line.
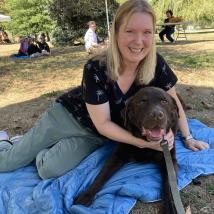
x=110 y=167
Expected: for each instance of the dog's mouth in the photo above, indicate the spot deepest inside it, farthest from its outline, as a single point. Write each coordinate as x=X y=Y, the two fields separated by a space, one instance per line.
x=153 y=134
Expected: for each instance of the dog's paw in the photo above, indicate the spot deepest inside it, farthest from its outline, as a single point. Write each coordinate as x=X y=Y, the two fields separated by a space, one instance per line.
x=84 y=198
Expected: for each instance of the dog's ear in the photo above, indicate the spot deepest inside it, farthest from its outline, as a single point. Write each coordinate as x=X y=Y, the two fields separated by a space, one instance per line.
x=174 y=115
x=175 y=108
x=124 y=114
x=126 y=111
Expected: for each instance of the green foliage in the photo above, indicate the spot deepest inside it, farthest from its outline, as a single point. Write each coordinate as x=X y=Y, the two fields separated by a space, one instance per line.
x=121 y=1
x=200 y=12
x=28 y=16
x=72 y=18
x=1 y=6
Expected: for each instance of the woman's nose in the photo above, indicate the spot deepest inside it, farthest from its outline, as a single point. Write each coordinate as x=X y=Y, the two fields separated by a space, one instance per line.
x=139 y=38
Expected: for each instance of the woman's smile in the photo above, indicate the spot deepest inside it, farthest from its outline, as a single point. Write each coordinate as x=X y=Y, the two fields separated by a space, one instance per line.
x=135 y=37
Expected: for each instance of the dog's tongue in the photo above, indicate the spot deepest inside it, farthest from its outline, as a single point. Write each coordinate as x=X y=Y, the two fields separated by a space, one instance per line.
x=155 y=133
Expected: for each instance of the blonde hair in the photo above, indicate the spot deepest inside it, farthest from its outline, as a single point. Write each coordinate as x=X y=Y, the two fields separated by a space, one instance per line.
x=146 y=68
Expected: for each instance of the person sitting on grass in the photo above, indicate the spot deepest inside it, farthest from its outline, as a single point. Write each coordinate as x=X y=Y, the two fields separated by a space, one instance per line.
x=86 y=117
x=23 y=49
x=33 y=49
x=43 y=45
x=167 y=30
x=5 y=38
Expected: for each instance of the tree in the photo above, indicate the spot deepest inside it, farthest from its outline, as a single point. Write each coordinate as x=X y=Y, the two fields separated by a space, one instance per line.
x=72 y=17
x=28 y=16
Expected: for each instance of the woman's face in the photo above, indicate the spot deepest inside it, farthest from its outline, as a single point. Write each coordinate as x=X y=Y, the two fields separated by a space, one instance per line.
x=135 y=39
x=168 y=15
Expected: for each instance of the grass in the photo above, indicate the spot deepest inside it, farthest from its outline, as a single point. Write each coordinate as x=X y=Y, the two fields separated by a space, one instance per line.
x=51 y=94
x=202 y=60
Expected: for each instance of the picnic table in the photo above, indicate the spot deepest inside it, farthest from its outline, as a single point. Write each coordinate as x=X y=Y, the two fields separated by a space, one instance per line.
x=179 y=27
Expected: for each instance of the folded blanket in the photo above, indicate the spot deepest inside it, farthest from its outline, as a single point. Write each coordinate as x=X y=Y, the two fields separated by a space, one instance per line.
x=22 y=191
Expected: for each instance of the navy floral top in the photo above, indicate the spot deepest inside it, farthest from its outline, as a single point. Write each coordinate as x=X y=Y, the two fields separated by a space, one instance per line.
x=97 y=88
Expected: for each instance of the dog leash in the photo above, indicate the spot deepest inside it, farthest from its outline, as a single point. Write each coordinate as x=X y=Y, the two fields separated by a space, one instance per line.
x=172 y=178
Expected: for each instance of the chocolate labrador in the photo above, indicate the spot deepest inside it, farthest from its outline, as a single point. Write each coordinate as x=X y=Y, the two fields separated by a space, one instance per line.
x=149 y=114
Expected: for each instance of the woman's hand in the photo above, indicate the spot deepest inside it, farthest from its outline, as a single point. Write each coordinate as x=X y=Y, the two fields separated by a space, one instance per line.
x=196 y=145
x=169 y=137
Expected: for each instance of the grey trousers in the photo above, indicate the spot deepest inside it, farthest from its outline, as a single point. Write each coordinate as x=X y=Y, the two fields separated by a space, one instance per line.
x=57 y=142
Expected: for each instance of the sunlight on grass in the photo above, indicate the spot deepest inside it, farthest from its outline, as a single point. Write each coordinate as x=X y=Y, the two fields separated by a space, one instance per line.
x=51 y=94
x=192 y=61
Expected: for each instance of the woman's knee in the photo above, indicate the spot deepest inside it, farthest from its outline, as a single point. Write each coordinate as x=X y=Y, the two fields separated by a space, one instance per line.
x=48 y=166
x=169 y=37
x=42 y=168
x=64 y=156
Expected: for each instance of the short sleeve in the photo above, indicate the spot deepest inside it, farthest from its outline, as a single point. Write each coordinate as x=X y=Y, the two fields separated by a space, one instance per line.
x=94 y=83
x=164 y=76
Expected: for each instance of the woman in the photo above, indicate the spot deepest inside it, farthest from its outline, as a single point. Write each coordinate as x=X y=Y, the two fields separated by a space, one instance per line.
x=82 y=119
x=23 y=47
x=167 y=30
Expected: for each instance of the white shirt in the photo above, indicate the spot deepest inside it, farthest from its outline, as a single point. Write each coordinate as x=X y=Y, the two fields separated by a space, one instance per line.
x=90 y=38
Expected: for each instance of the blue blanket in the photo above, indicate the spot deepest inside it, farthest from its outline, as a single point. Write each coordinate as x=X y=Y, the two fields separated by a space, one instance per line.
x=19 y=57
x=22 y=191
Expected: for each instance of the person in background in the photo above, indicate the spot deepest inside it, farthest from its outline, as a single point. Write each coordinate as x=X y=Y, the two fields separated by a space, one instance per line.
x=33 y=49
x=90 y=37
x=167 y=30
x=5 y=38
x=43 y=45
x=23 y=47
x=88 y=116
x=1 y=37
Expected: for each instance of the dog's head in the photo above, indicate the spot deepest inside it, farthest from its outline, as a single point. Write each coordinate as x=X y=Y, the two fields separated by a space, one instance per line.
x=150 y=113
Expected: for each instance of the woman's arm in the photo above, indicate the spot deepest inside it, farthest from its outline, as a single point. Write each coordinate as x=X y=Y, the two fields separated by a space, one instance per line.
x=192 y=144
x=100 y=115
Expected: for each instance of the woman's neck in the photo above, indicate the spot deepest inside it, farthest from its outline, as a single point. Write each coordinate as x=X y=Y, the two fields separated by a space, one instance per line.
x=126 y=78
x=129 y=70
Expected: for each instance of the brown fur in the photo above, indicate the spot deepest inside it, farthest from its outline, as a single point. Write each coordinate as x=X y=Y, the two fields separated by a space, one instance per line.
x=150 y=107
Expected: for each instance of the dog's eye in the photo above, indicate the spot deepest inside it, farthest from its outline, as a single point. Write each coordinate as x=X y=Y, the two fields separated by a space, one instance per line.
x=164 y=102
x=142 y=101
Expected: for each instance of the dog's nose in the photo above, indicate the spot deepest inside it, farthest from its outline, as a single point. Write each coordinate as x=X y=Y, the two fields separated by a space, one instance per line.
x=157 y=115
